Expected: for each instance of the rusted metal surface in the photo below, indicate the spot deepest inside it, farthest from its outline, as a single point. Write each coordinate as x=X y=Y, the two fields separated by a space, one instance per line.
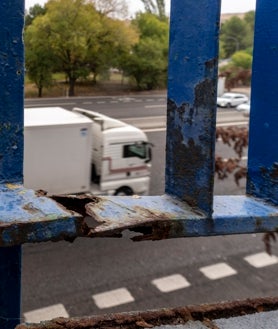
x=164 y=217
x=191 y=110
x=34 y=218
x=149 y=319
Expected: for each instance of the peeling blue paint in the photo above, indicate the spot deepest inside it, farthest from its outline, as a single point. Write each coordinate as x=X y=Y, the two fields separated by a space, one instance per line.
x=164 y=217
x=34 y=217
x=191 y=110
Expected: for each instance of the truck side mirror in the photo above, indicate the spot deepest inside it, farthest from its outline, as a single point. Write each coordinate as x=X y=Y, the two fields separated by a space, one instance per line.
x=149 y=154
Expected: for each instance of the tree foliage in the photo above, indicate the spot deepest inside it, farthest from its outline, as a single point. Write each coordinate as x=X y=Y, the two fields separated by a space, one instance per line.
x=241 y=59
x=79 y=38
x=82 y=39
x=39 y=58
x=147 y=62
x=34 y=12
x=114 y=40
x=237 y=34
x=111 y=8
x=156 y=7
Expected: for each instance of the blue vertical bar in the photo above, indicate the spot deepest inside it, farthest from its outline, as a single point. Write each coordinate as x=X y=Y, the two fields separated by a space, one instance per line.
x=262 y=178
x=11 y=145
x=191 y=110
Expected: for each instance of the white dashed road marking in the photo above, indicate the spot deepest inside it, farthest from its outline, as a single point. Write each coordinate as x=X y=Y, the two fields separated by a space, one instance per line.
x=154 y=106
x=171 y=283
x=46 y=313
x=261 y=259
x=217 y=271
x=113 y=298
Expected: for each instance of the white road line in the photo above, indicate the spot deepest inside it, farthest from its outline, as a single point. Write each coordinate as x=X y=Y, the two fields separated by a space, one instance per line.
x=101 y=102
x=154 y=106
x=171 y=283
x=86 y=103
x=232 y=123
x=47 y=105
x=261 y=259
x=218 y=271
x=46 y=313
x=113 y=298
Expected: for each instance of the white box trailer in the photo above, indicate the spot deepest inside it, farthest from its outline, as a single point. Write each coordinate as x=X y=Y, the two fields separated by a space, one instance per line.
x=81 y=151
x=56 y=144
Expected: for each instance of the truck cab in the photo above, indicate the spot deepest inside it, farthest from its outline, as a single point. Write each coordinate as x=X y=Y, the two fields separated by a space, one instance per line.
x=121 y=155
x=80 y=151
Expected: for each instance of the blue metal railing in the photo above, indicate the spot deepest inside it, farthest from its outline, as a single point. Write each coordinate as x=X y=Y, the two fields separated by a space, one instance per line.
x=188 y=208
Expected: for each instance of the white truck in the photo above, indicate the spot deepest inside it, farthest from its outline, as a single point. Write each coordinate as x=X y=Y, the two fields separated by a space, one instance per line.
x=81 y=151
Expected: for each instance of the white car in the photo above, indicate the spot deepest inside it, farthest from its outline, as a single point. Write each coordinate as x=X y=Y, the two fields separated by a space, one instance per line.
x=231 y=99
x=244 y=109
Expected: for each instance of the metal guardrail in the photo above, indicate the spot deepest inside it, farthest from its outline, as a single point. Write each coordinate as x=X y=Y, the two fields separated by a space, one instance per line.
x=188 y=207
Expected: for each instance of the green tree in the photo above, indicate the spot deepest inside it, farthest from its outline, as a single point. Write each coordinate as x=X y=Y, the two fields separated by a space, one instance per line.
x=39 y=58
x=148 y=60
x=243 y=60
x=33 y=12
x=156 y=7
x=233 y=35
x=111 y=8
x=114 y=40
x=249 y=18
x=70 y=26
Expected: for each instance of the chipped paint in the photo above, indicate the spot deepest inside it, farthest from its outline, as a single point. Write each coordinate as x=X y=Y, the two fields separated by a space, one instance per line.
x=165 y=217
x=263 y=182
x=35 y=218
x=191 y=109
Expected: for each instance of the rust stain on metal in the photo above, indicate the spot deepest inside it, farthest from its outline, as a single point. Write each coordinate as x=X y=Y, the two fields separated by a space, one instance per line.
x=39 y=193
x=271 y=173
x=205 y=92
x=211 y=64
x=274 y=172
x=135 y=320
x=30 y=208
x=210 y=324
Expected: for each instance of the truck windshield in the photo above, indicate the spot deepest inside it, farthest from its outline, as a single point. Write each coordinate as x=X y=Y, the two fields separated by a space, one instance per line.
x=135 y=150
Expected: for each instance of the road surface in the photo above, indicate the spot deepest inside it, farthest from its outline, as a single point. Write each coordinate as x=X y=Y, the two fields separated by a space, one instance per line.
x=115 y=275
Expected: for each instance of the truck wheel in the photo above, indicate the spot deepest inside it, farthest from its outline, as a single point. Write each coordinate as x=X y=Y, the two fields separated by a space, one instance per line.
x=124 y=191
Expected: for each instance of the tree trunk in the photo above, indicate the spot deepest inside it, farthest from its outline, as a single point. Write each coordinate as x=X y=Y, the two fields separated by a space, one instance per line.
x=40 y=92
x=71 y=86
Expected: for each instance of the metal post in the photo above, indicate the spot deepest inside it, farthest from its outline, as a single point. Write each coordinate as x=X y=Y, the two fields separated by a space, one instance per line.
x=192 y=85
x=11 y=145
x=263 y=147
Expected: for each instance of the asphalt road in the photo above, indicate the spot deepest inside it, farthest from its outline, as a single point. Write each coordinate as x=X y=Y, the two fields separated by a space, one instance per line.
x=115 y=275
